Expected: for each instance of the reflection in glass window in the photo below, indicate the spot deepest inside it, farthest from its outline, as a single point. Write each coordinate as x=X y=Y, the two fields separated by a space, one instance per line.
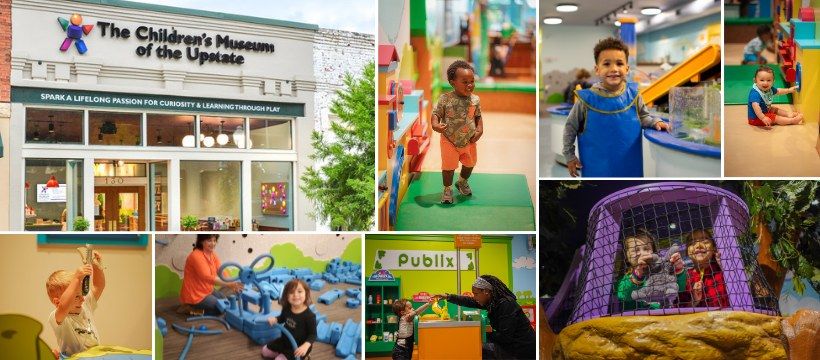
x=272 y=195
x=112 y=128
x=221 y=132
x=54 y=126
x=210 y=191
x=270 y=134
x=53 y=193
x=171 y=130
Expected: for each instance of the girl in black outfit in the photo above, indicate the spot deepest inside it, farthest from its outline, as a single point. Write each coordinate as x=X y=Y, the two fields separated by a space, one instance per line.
x=512 y=336
x=297 y=318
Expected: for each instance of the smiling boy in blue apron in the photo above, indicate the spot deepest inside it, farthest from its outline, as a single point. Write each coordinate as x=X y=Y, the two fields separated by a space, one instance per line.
x=607 y=119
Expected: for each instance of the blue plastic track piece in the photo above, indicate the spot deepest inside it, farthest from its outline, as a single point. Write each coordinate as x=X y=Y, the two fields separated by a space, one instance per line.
x=289 y=336
x=207 y=317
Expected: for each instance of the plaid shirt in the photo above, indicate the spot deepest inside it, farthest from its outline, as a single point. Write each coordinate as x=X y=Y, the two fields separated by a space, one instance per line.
x=714 y=287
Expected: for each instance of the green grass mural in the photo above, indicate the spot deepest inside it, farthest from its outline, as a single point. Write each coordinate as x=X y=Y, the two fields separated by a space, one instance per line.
x=168 y=283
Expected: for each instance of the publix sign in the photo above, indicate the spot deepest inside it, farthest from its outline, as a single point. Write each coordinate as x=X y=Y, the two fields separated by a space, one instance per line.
x=421 y=260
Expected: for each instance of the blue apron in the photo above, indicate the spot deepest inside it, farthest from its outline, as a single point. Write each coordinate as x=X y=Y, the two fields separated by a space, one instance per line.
x=610 y=142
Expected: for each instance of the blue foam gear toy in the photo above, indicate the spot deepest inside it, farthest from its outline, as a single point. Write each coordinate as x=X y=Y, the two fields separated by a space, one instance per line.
x=257 y=291
x=353 y=292
x=330 y=296
x=247 y=276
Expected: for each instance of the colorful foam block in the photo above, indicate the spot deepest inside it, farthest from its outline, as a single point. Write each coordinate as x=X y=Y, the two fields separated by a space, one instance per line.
x=317 y=284
x=353 y=303
x=348 y=343
x=330 y=296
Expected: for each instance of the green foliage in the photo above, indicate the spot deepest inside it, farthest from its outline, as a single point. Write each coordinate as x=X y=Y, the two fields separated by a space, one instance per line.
x=342 y=184
x=80 y=224
x=555 y=224
x=791 y=211
x=189 y=222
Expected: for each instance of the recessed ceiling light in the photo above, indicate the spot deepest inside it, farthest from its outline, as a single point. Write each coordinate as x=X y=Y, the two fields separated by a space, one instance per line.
x=617 y=23
x=566 y=8
x=552 y=20
x=650 y=11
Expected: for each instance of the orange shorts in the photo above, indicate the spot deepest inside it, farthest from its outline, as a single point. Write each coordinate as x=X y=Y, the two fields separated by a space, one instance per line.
x=757 y=122
x=451 y=155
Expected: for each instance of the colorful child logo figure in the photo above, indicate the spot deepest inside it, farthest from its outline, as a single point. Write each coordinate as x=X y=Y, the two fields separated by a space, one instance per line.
x=75 y=33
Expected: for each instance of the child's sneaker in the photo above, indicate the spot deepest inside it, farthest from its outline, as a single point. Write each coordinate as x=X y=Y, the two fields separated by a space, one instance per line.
x=464 y=188
x=447 y=195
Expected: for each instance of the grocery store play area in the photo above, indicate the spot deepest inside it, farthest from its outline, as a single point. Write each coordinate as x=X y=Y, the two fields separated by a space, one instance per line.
x=253 y=276
x=417 y=269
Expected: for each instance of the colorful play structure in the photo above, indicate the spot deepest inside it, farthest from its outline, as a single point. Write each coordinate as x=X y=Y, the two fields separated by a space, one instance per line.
x=668 y=211
x=796 y=63
x=264 y=283
x=410 y=78
x=799 y=55
x=693 y=150
x=693 y=147
x=798 y=52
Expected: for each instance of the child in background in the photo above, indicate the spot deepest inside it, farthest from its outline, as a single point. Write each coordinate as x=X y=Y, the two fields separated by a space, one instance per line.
x=457 y=117
x=297 y=318
x=72 y=320
x=604 y=119
x=403 y=349
x=705 y=285
x=760 y=109
x=581 y=78
x=753 y=49
x=638 y=250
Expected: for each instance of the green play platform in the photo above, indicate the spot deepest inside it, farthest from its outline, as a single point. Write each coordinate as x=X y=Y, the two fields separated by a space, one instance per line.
x=738 y=81
x=500 y=202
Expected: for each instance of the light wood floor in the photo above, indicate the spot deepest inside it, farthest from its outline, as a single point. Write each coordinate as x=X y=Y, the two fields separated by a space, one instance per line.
x=783 y=151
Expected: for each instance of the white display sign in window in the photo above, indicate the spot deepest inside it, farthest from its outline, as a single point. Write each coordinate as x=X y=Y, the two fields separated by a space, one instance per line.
x=55 y=194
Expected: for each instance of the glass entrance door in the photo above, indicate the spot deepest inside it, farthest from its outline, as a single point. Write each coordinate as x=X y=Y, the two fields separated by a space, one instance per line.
x=119 y=208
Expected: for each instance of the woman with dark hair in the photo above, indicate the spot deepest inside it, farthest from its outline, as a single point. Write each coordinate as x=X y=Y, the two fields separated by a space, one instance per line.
x=200 y=276
x=512 y=336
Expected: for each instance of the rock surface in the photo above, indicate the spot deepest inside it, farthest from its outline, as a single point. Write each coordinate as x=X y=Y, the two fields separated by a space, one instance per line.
x=707 y=335
x=801 y=331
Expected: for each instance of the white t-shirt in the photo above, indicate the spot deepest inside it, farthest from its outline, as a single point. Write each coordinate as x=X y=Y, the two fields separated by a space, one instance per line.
x=77 y=332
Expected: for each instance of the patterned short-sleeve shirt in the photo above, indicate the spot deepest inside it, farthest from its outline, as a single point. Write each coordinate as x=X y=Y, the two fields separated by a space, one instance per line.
x=460 y=114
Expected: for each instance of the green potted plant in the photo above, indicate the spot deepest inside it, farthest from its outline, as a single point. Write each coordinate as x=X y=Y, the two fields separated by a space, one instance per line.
x=80 y=224
x=189 y=223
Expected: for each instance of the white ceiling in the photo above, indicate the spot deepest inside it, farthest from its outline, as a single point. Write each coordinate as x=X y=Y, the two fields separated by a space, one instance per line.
x=590 y=10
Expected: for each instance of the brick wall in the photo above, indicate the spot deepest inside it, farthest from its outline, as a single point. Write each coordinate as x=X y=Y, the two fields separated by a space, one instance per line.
x=5 y=50
x=335 y=53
